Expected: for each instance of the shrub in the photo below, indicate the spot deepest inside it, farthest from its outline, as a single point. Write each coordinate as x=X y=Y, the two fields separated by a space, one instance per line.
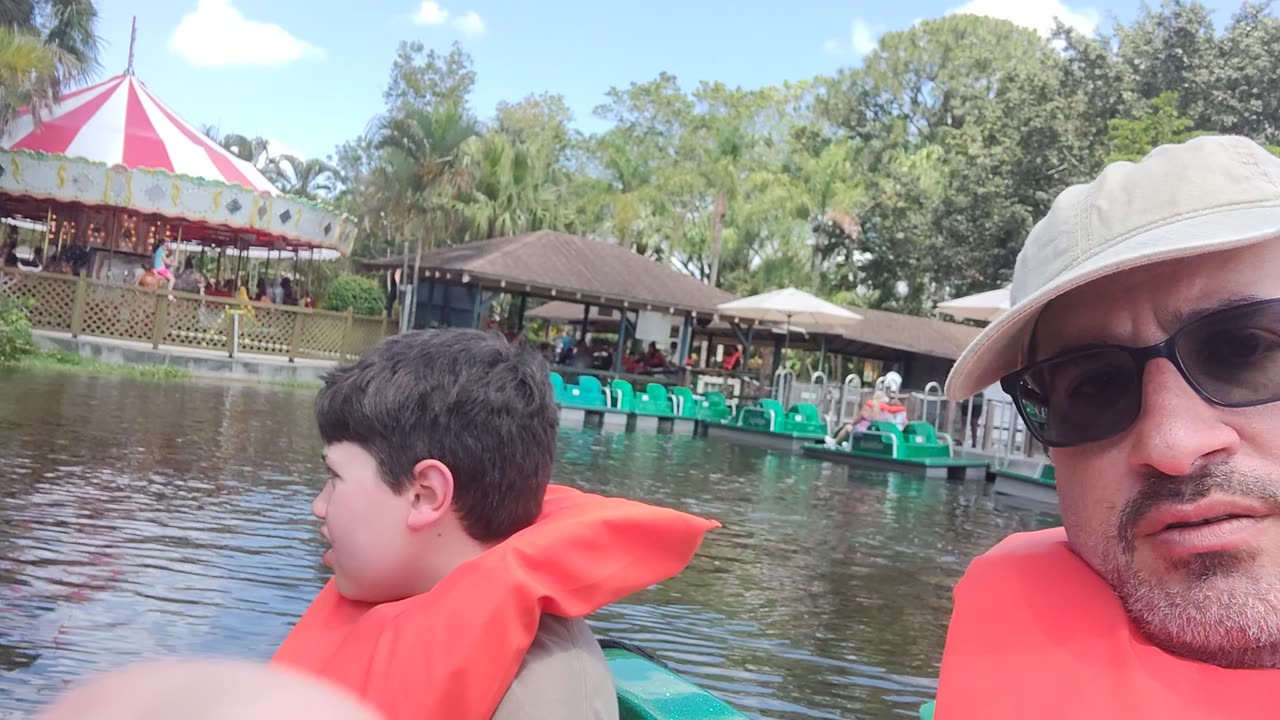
x=15 y=329
x=362 y=295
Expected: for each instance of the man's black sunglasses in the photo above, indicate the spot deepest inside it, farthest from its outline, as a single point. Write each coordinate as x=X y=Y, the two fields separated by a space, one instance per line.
x=1231 y=357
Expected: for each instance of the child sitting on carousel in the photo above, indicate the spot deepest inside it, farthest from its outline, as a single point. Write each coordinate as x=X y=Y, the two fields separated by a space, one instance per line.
x=160 y=263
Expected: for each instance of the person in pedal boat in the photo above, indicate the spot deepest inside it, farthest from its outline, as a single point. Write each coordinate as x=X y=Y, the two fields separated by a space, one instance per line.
x=1143 y=349
x=877 y=408
x=460 y=574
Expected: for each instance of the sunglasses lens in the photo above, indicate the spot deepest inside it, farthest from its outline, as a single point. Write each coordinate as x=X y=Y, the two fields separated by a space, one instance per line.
x=1082 y=397
x=1234 y=355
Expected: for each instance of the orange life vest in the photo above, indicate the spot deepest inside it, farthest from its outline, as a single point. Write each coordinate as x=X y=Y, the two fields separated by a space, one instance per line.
x=452 y=652
x=886 y=407
x=1036 y=633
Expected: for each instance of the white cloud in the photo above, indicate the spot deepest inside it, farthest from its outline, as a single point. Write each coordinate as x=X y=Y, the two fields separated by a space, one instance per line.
x=1035 y=14
x=863 y=37
x=470 y=24
x=430 y=13
x=217 y=34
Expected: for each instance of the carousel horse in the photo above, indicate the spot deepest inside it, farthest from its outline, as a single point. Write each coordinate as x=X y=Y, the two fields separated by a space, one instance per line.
x=152 y=281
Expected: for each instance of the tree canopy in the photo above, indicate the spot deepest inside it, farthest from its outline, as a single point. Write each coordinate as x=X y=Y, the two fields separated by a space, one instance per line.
x=909 y=179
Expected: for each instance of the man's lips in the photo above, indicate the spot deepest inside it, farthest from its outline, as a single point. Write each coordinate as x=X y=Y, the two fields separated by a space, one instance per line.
x=1204 y=512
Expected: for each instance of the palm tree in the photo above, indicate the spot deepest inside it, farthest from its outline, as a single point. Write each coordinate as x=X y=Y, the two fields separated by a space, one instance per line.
x=28 y=76
x=72 y=37
x=45 y=46
x=516 y=187
x=629 y=195
x=251 y=150
x=302 y=178
x=421 y=151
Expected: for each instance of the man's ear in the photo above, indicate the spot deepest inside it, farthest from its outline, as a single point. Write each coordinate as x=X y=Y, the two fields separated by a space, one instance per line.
x=430 y=493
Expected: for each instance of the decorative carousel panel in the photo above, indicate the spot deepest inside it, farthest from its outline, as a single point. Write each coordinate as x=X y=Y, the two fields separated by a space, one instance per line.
x=154 y=192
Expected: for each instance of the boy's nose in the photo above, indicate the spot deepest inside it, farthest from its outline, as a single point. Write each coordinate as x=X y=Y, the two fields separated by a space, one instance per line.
x=320 y=504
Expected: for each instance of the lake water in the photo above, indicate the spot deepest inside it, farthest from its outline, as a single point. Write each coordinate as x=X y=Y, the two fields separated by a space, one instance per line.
x=142 y=519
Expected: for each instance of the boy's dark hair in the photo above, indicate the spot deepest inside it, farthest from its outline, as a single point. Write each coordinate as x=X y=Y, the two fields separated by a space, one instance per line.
x=479 y=405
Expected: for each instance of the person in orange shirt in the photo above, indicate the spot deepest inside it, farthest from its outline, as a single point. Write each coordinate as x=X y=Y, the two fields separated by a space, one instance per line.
x=1142 y=348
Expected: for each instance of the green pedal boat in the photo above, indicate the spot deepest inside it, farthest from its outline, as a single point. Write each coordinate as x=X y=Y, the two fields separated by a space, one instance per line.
x=917 y=448
x=649 y=690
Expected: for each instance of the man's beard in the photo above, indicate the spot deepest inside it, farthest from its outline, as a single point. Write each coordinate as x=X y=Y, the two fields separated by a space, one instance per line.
x=1221 y=610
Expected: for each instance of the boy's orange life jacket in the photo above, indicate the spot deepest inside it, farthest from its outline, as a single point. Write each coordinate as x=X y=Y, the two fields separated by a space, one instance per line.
x=453 y=651
x=1036 y=633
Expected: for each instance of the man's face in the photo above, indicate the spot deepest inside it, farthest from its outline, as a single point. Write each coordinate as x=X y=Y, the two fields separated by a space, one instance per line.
x=1135 y=505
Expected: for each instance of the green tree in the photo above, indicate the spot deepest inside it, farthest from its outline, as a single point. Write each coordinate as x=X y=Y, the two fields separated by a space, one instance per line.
x=28 y=76
x=46 y=46
x=310 y=179
x=1159 y=123
x=1172 y=49
x=516 y=187
x=361 y=295
x=254 y=151
x=422 y=77
x=944 y=119
x=1241 y=98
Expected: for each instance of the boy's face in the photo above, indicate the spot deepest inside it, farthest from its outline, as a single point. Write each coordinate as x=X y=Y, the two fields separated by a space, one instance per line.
x=367 y=526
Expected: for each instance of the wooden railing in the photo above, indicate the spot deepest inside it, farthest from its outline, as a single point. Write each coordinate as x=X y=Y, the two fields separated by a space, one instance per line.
x=81 y=306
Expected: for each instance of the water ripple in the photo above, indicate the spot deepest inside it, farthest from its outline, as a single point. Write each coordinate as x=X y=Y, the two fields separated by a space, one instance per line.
x=133 y=525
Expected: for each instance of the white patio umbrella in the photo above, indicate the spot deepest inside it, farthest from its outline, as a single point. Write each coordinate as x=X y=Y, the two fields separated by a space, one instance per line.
x=791 y=306
x=984 y=306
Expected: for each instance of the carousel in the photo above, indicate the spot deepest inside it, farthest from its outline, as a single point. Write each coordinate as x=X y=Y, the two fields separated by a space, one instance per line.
x=112 y=170
x=111 y=175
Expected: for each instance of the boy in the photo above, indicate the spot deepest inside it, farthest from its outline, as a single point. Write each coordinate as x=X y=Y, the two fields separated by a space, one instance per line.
x=460 y=575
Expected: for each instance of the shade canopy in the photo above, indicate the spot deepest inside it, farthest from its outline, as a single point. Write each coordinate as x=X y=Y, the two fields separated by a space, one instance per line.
x=118 y=122
x=792 y=307
x=983 y=306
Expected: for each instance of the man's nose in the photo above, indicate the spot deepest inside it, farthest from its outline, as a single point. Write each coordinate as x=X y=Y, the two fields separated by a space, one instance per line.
x=1177 y=430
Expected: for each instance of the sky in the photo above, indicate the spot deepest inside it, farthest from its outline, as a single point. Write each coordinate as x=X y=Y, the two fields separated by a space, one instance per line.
x=309 y=74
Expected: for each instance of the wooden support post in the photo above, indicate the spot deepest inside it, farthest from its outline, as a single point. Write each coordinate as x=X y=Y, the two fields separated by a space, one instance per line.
x=346 y=334
x=160 y=320
x=295 y=337
x=77 y=306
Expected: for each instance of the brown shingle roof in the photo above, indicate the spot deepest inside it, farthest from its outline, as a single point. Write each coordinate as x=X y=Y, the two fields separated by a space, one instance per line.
x=912 y=333
x=574 y=268
x=881 y=328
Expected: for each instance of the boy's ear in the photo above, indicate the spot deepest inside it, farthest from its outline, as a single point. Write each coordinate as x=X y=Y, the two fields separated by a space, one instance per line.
x=430 y=493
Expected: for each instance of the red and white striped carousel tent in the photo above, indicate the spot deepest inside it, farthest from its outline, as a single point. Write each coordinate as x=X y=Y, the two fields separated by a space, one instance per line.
x=119 y=122
x=113 y=155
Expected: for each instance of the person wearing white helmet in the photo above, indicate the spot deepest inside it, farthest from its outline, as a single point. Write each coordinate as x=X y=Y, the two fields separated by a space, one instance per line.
x=1142 y=348
x=892 y=382
x=879 y=407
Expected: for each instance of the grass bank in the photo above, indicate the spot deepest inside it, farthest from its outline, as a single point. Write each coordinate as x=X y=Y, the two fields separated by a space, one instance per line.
x=61 y=361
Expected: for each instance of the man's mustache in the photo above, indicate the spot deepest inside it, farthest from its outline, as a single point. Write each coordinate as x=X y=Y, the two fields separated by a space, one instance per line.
x=1160 y=489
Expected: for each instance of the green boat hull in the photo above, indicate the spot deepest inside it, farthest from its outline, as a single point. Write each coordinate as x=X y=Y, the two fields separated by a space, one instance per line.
x=954 y=468
x=648 y=690
x=792 y=443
